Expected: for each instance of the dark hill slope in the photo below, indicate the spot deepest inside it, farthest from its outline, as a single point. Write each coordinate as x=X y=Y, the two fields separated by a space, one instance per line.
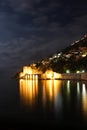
x=73 y=57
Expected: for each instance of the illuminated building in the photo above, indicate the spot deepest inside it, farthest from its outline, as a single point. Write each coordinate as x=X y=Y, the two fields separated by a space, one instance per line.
x=33 y=73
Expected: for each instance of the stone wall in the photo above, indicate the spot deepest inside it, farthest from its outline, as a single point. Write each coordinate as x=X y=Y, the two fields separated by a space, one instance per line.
x=82 y=76
x=71 y=76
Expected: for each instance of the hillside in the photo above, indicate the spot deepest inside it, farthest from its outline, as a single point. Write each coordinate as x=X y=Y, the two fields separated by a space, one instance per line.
x=73 y=58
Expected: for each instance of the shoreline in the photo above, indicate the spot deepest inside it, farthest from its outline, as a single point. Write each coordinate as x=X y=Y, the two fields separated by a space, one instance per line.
x=64 y=76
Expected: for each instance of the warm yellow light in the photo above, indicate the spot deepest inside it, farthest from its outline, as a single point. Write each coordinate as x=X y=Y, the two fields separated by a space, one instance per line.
x=84 y=55
x=30 y=73
x=36 y=77
x=28 y=91
x=51 y=89
x=33 y=73
x=57 y=75
x=49 y=74
x=21 y=74
x=27 y=70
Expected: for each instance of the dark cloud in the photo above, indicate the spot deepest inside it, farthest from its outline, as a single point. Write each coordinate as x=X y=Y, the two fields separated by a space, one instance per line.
x=33 y=29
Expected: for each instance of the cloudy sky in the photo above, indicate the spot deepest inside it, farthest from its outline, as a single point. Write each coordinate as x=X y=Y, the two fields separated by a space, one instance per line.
x=33 y=29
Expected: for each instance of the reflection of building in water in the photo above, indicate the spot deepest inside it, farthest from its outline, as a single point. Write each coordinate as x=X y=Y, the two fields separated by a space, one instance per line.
x=51 y=90
x=84 y=99
x=28 y=91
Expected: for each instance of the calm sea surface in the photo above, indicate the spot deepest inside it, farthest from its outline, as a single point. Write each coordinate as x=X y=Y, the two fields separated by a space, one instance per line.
x=57 y=103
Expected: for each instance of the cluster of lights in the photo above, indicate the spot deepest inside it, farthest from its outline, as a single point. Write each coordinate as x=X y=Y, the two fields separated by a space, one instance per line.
x=78 y=71
x=29 y=73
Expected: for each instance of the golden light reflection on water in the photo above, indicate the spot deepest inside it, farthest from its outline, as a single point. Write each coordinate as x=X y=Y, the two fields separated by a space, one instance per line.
x=51 y=90
x=48 y=91
x=28 y=91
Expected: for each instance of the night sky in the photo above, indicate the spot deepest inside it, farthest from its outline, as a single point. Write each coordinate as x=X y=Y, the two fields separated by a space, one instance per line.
x=34 y=29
